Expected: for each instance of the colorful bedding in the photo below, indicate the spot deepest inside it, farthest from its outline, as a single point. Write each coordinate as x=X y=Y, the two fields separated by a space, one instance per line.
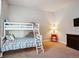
x=19 y=43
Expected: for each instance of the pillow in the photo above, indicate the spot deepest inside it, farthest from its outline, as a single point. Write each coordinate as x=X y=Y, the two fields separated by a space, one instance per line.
x=19 y=34
x=10 y=37
x=30 y=34
x=4 y=40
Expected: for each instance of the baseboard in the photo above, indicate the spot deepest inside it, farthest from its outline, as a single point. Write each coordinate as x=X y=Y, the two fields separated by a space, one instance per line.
x=63 y=42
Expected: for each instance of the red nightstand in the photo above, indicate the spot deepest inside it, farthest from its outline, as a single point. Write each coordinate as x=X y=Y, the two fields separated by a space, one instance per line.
x=54 y=38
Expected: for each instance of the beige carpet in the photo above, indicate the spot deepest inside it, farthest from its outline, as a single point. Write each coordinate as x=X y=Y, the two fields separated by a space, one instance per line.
x=52 y=50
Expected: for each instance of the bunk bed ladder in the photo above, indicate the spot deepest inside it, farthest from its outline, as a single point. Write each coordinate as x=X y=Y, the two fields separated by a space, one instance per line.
x=38 y=36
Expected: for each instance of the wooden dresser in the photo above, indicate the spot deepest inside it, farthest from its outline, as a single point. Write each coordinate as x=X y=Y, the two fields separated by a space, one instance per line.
x=73 y=41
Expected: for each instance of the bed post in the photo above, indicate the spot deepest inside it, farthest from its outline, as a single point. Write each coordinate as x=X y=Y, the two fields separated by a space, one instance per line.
x=42 y=48
x=1 y=54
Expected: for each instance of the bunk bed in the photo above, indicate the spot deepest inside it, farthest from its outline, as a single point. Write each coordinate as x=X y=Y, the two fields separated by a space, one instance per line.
x=20 y=43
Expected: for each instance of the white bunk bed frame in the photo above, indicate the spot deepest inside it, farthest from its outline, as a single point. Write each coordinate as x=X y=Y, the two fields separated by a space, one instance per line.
x=20 y=26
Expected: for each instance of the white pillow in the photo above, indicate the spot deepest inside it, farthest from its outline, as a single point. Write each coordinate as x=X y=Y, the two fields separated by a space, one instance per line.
x=10 y=37
x=19 y=34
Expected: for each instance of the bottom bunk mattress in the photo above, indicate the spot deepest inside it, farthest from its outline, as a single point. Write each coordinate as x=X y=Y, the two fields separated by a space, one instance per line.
x=19 y=43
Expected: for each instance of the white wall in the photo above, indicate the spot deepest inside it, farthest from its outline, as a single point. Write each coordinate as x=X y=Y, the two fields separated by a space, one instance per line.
x=0 y=16
x=4 y=10
x=0 y=7
x=4 y=13
x=22 y=14
x=65 y=17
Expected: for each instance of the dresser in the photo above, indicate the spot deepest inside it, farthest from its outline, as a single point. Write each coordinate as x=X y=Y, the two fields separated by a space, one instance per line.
x=73 y=41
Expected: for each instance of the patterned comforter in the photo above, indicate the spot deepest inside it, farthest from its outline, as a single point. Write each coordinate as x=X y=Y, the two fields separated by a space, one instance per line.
x=19 y=43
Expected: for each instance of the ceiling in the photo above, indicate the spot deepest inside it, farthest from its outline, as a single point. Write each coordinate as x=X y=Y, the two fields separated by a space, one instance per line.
x=45 y=5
